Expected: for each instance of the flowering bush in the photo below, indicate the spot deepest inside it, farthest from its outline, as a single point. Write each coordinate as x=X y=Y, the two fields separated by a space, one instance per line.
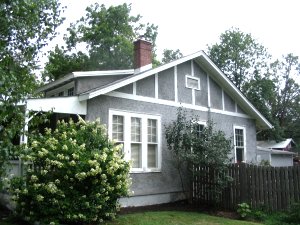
x=77 y=176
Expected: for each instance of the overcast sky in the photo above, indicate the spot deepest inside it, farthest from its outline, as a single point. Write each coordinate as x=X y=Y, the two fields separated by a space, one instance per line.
x=191 y=25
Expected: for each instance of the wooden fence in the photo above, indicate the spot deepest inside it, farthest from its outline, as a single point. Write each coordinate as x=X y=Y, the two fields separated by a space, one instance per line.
x=273 y=188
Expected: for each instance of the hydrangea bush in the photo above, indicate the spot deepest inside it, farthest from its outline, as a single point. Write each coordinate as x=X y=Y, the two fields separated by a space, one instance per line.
x=77 y=176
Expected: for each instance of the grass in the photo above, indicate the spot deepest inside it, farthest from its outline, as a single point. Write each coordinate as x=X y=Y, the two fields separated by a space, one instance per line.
x=165 y=218
x=174 y=218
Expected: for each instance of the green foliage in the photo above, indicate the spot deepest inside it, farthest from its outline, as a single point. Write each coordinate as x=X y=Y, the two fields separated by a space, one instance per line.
x=264 y=163
x=170 y=55
x=77 y=175
x=293 y=215
x=243 y=210
x=26 y=27
x=269 y=86
x=190 y=146
x=239 y=56
x=108 y=34
x=258 y=215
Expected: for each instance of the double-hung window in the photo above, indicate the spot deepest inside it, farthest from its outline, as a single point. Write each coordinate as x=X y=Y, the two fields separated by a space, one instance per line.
x=239 y=144
x=140 y=136
x=198 y=128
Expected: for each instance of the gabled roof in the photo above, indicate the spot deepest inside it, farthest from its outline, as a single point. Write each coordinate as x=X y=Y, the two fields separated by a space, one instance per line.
x=283 y=144
x=274 y=145
x=74 y=75
x=202 y=59
x=275 y=152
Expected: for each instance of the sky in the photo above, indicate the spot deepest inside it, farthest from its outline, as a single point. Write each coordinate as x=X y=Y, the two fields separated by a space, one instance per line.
x=191 y=25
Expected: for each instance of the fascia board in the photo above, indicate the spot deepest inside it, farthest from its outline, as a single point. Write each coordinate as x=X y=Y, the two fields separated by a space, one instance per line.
x=84 y=74
x=102 y=73
x=55 y=83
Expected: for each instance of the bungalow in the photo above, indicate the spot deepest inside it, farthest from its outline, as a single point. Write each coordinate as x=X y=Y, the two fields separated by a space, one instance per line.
x=135 y=105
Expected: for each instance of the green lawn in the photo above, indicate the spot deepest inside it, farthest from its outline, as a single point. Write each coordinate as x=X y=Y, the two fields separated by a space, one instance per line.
x=168 y=218
x=174 y=218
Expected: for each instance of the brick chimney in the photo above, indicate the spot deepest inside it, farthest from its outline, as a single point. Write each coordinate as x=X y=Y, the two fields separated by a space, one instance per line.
x=142 y=56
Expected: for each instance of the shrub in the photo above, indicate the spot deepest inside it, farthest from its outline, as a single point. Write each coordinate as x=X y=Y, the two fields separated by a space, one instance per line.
x=292 y=216
x=77 y=176
x=192 y=145
x=243 y=210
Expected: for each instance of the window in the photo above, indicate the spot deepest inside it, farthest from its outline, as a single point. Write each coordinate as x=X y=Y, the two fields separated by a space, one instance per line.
x=136 y=144
x=198 y=128
x=71 y=91
x=152 y=143
x=61 y=93
x=240 y=144
x=192 y=82
x=139 y=135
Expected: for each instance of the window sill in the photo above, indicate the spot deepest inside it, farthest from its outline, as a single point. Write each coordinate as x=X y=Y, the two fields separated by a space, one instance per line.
x=146 y=171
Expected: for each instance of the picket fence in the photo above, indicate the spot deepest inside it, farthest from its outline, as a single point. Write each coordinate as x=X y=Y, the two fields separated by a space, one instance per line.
x=270 y=188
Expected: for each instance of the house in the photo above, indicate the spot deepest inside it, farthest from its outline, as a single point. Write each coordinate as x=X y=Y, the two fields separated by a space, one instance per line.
x=278 y=154
x=136 y=104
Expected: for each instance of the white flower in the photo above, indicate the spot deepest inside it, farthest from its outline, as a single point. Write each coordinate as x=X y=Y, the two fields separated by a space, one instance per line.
x=39 y=198
x=34 y=178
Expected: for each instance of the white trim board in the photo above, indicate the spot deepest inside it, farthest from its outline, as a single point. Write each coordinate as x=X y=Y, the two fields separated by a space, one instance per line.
x=70 y=105
x=174 y=104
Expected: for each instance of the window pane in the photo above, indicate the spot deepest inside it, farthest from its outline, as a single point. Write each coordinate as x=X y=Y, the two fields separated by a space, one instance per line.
x=239 y=137
x=152 y=156
x=71 y=91
x=135 y=129
x=136 y=155
x=192 y=83
x=117 y=128
x=239 y=155
x=152 y=131
x=198 y=129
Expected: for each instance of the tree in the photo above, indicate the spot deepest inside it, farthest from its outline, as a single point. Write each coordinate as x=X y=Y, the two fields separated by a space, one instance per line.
x=108 y=34
x=269 y=86
x=239 y=56
x=194 y=147
x=287 y=103
x=26 y=27
x=170 y=55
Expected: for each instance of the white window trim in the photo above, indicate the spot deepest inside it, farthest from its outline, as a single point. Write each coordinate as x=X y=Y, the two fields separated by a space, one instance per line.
x=245 y=145
x=127 y=138
x=193 y=78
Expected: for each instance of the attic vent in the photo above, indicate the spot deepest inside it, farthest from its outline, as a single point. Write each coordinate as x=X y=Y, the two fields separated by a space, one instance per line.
x=192 y=82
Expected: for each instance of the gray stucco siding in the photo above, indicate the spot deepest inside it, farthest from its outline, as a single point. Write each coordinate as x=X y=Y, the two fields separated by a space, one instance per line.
x=229 y=103
x=128 y=89
x=166 y=181
x=184 y=93
x=146 y=87
x=226 y=124
x=87 y=83
x=215 y=95
x=201 y=96
x=240 y=110
x=166 y=84
x=142 y=183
